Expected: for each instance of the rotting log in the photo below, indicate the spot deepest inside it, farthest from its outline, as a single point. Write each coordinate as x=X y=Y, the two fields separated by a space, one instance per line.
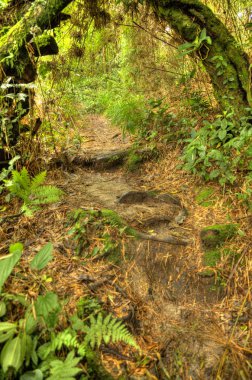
x=224 y=60
x=108 y=160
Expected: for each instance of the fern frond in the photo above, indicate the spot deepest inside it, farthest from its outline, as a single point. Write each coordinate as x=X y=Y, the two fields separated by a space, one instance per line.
x=19 y=184
x=65 y=369
x=22 y=178
x=38 y=180
x=45 y=194
x=82 y=349
x=31 y=190
x=65 y=338
x=108 y=329
x=20 y=192
x=28 y=211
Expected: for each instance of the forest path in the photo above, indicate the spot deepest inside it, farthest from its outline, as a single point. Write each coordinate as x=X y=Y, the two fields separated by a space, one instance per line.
x=172 y=305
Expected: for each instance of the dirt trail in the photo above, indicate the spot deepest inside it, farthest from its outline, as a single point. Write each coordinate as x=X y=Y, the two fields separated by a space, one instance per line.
x=172 y=305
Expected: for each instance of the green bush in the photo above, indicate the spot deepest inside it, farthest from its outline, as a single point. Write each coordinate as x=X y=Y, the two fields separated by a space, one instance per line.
x=219 y=149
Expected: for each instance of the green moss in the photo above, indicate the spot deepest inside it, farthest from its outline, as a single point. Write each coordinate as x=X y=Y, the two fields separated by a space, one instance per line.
x=216 y=235
x=206 y=273
x=43 y=40
x=111 y=217
x=233 y=86
x=133 y=161
x=231 y=254
x=205 y=197
x=211 y=258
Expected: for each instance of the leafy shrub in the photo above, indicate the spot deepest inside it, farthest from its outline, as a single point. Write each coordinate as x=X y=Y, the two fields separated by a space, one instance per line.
x=218 y=149
x=5 y=172
x=29 y=345
x=105 y=225
x=127 y=111
x=197 y=103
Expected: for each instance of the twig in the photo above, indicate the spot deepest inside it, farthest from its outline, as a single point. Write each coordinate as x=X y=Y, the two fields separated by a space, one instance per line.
x=154 y=36
x=168 y=239
x=99 y=283
x=166 y=71
x=112 y=352
x=236 y=265
x=8 y=217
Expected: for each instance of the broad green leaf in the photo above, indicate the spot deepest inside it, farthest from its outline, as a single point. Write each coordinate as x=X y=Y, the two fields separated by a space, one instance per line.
x=214 y=174
x=48 y=307
x=7 y=330
x=222 y=134
x=30 y=322
x=2 y=308
x=5 y=326
x=8 y=262
x=32 y=375
x=209 y=40
x=12 y=354
x=13 y=160
x=43 y=257
x=16 y=297
x=203 y=34
x=28 y=350
x=185 y=46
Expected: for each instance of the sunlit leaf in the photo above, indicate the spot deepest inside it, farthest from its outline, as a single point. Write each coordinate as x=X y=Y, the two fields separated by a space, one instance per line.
x=12 y=355
x=8 y=262
x=2 y=308
x=32 y=375
x=43 y=257
x=7 y=330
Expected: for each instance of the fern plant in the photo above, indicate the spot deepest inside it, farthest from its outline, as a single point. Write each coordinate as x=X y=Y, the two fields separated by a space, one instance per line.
x=66 y=369
x=107 y=329
x=100 y=330
x=31 y=190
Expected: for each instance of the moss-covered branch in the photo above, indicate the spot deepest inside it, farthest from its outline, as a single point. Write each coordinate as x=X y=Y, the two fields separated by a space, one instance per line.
x=41 y=15
x=225 y=61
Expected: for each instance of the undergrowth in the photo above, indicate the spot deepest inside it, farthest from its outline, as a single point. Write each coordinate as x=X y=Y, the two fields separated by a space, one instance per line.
x=98 y=233
x=220 y=148
x=32 y=342
x=31 y=191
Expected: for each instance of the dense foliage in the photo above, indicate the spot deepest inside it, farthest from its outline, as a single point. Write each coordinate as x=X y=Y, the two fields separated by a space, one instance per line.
x=173 y=75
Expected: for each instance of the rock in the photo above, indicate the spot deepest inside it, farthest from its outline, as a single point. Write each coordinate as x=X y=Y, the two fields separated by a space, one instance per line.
x=134 y=197
x=169 y=198
x=182 y=215
x=131 y=197
x=216 y=235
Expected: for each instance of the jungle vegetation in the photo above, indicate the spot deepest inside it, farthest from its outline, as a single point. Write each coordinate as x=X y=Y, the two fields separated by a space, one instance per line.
x=166 y=72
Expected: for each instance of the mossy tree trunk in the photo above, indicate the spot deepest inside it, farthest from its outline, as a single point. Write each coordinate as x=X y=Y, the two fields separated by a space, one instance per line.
x=14 y=49
x=226 y=63
x=17 y=63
